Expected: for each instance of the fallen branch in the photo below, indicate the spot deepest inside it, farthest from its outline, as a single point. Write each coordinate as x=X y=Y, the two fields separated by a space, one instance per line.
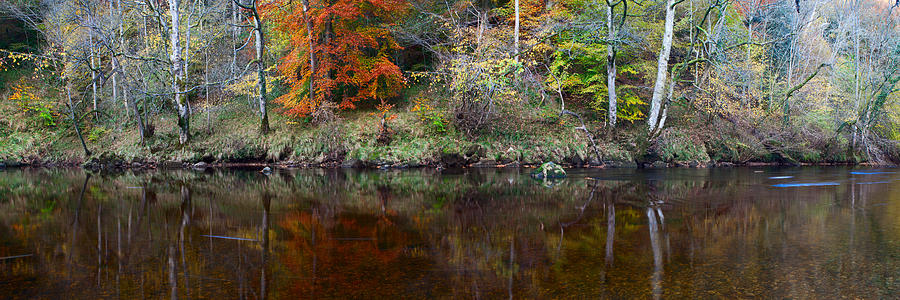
x=586 y=132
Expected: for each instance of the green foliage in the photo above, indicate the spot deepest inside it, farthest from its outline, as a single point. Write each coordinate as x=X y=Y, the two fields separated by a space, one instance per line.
x=96 y=133
x=432 y=119
x=36 y=110
x=580 y=69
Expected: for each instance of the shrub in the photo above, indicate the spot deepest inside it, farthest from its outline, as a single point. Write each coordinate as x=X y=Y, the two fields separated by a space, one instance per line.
x=431 y=118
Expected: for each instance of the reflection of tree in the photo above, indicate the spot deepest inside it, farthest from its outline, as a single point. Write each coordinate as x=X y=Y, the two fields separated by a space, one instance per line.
x=356 y=256
x=70 y=257
x=610 y=230
x=173 y=282
x=186 y=210
x=266 y=200
x=653 y=226
x=343 y=234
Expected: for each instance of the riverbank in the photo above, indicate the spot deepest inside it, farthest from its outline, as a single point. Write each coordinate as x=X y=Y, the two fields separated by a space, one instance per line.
x=356 y=141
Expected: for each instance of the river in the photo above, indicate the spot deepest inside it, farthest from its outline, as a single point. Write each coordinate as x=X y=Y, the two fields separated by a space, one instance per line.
x=806 y=232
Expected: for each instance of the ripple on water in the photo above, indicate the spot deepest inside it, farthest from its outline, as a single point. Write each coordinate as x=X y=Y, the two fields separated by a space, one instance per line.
x=805 y=184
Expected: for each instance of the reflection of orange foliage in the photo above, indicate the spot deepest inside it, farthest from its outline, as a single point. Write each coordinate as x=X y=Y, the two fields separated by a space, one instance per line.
x=19 y=229
x=361 y=255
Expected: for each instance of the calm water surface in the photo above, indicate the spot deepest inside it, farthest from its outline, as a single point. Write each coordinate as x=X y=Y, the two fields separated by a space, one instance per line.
x=682 y=233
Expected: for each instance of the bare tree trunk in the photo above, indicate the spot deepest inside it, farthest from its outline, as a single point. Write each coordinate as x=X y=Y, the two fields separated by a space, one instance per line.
x=328 y=62
x=206 y=82
x=234 y=33
x=140 y=121
x=178 y=73
x=665 y=106
x=516 y=50
x=662 y=67
x=749 y=72
x=786 y=106
x=137 y=112
x=117 y=67
x=260 y=64
x=260 y=72
x=312 y=52
x=188 y=33
x=93 y=73
x=856 y=79
x=129 y=103
x=790 y=70
x=115 y=83
x=75 y=122
x=611 y=65
x=482 y=17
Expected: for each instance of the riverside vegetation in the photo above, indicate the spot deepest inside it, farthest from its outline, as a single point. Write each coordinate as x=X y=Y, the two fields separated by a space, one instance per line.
x=450 y=83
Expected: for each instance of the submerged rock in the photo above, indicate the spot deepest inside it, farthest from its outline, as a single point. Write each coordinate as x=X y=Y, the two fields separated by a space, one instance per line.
x=549 y=170
x=266 y=171
x=200 y=165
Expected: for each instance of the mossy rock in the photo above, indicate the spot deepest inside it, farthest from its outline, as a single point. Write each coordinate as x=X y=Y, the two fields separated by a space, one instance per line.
x=549 y=170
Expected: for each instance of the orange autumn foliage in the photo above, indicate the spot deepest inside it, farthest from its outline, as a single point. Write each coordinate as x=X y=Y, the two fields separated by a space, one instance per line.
x=353 y=47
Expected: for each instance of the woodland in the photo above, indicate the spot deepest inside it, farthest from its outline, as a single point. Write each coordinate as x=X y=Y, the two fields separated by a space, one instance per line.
x=451 y=83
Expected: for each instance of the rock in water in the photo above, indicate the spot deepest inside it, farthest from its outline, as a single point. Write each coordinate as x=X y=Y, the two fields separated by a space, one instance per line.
x=266 y=171
x=549 y=170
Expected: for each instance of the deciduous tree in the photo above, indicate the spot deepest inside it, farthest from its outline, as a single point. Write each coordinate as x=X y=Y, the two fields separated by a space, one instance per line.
x=353 y=62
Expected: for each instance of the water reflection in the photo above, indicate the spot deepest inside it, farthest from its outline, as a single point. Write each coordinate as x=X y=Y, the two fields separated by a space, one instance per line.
x=653 y=226
x=457 y=234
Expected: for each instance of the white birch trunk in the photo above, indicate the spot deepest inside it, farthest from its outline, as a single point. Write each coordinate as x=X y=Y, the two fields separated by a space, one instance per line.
x=115 y=82
x=234 y=33
x=93 y=73
x=662 y=65
x=181 y=102
x=611 y=66
x=856 y=79
x=206 y=82
x=261 y=75
x=516 y=50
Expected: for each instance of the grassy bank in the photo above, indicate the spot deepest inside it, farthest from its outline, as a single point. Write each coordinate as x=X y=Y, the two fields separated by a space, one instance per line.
x=415 y=141
x=351 y=141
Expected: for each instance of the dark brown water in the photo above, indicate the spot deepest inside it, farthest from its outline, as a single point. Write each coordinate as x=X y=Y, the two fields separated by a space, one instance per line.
x=454 y=234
